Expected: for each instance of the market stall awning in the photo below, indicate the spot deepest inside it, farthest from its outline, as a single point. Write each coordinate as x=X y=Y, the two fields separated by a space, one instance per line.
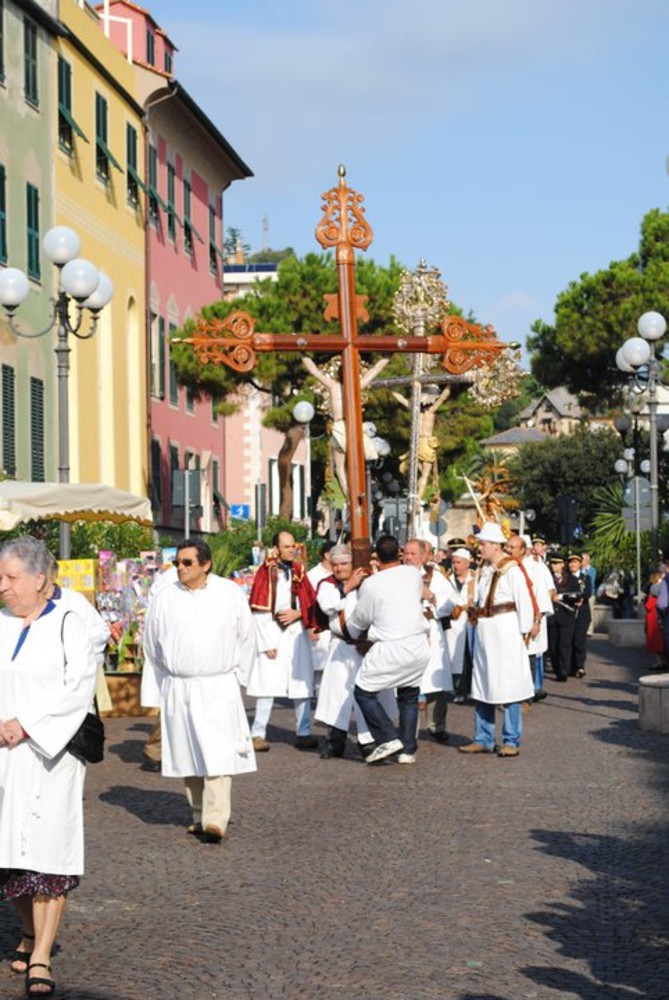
x=21 y=502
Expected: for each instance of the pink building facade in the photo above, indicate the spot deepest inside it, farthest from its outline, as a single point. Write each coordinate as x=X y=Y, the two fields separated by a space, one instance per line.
x=189 y=167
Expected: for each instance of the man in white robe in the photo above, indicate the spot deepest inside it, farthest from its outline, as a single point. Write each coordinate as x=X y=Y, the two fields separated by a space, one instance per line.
x=501 y=674
x=390 y=611
x=543 y=587
x=337 y=596
x=460 y=585
x=437 y=678
x=199 y=642
x=282 y=601
x=320 y=641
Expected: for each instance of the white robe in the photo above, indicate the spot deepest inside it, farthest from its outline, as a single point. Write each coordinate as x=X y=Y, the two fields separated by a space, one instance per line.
x=456 y=635
x=501 y=672
x=542 y=581
x=390 y=609
x=437 y=675
x=319 y=645
x=98 y=634
x=291 y=673
x=199 y=646
x=335 y=698
x=49 y=688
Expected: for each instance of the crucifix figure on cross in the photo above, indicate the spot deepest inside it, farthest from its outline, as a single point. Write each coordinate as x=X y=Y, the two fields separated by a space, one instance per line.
x=234 y=342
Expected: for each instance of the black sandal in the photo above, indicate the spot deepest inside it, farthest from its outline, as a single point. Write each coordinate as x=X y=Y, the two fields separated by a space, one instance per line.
x=22 y=957
x=40 y=981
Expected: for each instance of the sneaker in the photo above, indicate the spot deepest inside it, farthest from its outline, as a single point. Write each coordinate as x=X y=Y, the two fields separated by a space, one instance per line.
x=385 y=750
x=508 y=751
x=406 y=758
x=476 y=748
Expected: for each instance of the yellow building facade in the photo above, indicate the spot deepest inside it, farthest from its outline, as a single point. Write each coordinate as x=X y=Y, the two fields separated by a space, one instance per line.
x=99 y=193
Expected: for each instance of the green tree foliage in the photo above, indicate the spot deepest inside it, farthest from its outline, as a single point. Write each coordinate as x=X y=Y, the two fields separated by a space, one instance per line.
x=232 y=549
x=88 y=538
x=234 y=241
x=270 y=256
x=575 y=465
x=595 y=314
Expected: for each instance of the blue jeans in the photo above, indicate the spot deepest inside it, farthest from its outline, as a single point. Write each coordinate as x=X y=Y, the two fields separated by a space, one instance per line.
x=381 y=727
x=484 y=721
x=538 y=671
x=264 y=710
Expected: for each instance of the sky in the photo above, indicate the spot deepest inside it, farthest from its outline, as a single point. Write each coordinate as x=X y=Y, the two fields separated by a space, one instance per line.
x=513 y=144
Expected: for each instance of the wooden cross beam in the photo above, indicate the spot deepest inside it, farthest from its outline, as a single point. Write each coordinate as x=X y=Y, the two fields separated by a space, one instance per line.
x=234 y=342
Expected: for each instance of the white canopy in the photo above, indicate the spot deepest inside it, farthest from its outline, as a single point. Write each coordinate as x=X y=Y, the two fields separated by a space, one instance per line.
x=21 y=502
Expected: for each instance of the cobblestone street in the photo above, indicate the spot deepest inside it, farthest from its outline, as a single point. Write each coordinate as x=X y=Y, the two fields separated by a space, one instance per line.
x=460 y=878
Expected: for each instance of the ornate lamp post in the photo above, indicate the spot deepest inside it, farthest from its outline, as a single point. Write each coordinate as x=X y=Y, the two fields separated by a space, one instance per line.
x=303 y=413
x=80 y=282
x=637 y=357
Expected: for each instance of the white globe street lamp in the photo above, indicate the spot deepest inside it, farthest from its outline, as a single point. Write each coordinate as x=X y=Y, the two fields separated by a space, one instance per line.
x=78 y=280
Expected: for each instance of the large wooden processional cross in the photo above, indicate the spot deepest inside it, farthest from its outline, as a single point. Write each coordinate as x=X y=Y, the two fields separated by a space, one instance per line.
x=234 y=342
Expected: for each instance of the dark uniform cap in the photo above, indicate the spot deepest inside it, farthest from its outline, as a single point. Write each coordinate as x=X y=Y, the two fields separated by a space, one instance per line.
x=456 y=543
x=556 y=559
x=538 y=538
x=574 y=555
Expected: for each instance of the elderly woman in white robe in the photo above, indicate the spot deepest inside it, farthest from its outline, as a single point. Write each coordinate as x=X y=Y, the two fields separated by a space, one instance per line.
x=47 y=681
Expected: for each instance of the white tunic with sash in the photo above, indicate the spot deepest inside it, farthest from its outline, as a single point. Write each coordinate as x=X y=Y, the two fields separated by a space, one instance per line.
x=543 y=583
x=199 y=646
x=48 y=687
x=437 y=675
x=390 y=610
x=291 y=673
x=501 y=672
x=456 y=635
x=321 y=644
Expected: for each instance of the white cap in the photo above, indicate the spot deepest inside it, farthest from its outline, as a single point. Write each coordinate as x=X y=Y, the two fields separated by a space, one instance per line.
x=462 y=554
x=491 y=532
x=528 y=540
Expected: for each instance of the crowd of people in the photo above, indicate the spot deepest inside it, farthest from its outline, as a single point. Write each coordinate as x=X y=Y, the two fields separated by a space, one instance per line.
x=410 y=631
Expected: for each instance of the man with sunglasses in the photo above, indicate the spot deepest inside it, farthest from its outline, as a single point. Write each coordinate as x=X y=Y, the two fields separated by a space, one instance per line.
x=199 y=644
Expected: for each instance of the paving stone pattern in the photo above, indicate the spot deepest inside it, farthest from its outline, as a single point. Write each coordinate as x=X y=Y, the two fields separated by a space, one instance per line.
x=459 y=878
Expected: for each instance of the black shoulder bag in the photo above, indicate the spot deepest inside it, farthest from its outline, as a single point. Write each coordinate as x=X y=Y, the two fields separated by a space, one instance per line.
x=88 y=743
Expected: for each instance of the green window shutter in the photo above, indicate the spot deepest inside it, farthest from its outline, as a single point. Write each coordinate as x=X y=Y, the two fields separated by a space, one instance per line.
x=31 y=88
x=3 y=215
x=8 y=420
x=161 y=357
x=101 y=158
x=156 y=474
x=37 y=430
x=32 y=219
x=133 y=182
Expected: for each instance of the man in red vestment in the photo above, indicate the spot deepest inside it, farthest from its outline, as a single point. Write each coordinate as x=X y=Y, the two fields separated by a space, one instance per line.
x=283 y=605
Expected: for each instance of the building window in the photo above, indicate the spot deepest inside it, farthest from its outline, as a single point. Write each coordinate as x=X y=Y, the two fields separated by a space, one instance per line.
x=150 y=47
x=190 y=400
x=30 y=61
x=133 y=181
x=174 y=384
x=155 y=201
x=32 y=217
x=162 y=351
x=214 y=414
x=67 y=126
x=36 y=430
x=104 y=158
x=213 y=253
x=171 y=209
x=3 y=215
x=8 y=421
x=174 y=459
x=168 y=62
x=101 y=136
x=156 y=474
x=2 y=41
x=188 y=229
